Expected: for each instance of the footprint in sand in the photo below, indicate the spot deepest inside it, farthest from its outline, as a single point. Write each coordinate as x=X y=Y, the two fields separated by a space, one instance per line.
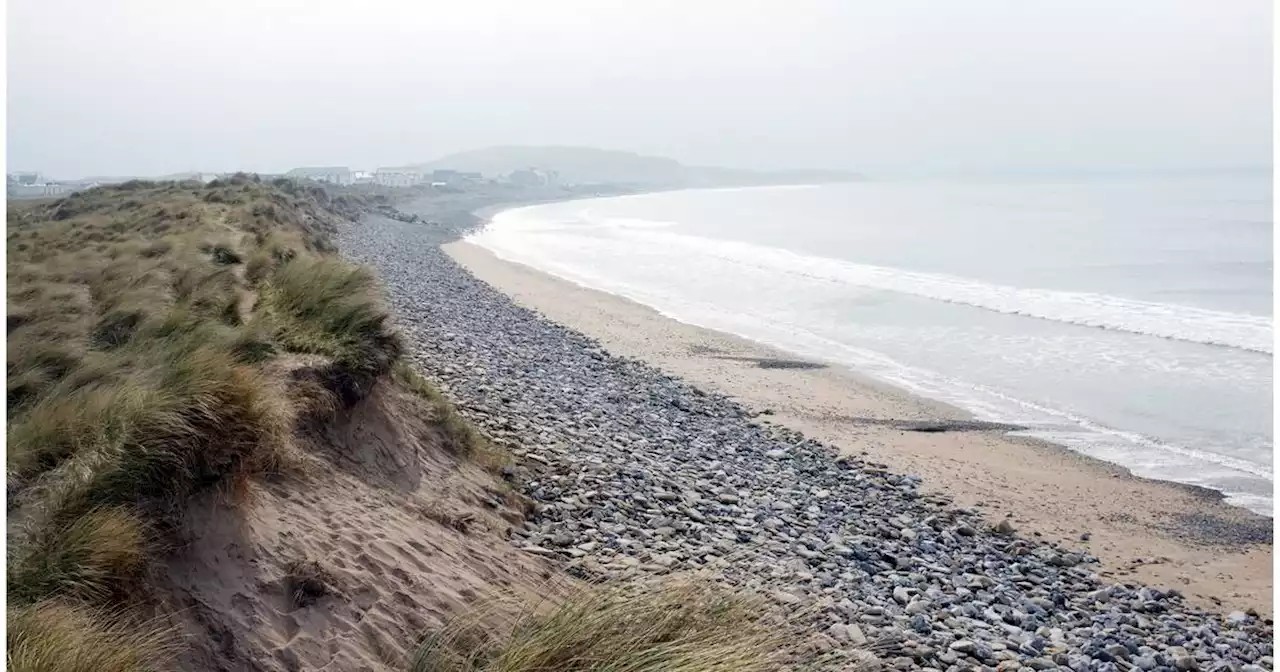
x=288 y=659
x=415 y=621
x=405 y=599
x=364 y=560
x=403 y=576
x=410 y=558
x=289 y=627
x=380 y=551
x=365 y=597
x=244 y=604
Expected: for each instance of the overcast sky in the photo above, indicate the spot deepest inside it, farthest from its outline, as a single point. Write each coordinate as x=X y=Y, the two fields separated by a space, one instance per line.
x=146 y=87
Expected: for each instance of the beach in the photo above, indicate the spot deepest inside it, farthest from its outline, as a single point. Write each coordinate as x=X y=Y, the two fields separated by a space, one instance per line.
x=1162 y=534
x=642 y=457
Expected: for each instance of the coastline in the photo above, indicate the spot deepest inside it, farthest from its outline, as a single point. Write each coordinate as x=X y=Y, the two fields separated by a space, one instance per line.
x=1164 y=534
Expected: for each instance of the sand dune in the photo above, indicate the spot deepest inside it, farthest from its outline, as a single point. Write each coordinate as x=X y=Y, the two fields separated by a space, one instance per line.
x=386 y=535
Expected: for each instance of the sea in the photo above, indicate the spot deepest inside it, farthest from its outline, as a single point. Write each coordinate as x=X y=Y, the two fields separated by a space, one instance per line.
x=1126 y=318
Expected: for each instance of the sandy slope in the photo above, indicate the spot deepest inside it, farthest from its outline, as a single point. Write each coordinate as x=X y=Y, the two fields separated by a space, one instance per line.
x=403 y=533
x=1155 y=532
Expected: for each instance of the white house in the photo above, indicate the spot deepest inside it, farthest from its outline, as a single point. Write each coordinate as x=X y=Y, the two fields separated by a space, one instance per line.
x=398 y=177
x=333 y=175
x=39 y=190
x=25 y=178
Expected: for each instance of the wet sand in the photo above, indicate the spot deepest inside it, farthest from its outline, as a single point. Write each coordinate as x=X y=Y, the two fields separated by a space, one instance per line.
x=1162 y=534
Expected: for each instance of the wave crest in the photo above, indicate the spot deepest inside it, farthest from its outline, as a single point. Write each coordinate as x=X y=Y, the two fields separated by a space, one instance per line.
x=1183 y=323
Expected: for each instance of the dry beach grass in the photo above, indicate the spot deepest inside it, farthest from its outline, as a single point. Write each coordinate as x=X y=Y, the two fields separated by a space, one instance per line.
x=682 y=625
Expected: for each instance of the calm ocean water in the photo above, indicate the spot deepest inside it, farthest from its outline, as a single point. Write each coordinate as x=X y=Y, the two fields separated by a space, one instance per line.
x=1128 y=319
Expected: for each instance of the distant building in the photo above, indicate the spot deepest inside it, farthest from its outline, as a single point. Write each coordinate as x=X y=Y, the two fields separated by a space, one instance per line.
x=455 y=178
x=32 y=184
x=25 y=178
x=48 y=190
x=333 y=175
x=399 y=177
x=188 y=177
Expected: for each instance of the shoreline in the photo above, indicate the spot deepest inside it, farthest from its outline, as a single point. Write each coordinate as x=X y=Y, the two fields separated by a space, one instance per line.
x=1166 y=534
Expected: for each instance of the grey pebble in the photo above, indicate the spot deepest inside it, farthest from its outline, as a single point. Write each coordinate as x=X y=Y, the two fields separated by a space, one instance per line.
x=635 y=470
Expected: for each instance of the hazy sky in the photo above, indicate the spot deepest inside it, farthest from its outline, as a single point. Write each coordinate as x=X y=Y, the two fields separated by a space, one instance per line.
x=150 y=87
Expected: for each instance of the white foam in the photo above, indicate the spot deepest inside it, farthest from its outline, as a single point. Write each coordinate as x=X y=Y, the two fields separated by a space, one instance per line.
x=586 y=260
x=634 y=223
x=1184 y=323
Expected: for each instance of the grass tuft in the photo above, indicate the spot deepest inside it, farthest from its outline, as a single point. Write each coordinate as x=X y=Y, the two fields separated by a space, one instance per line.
x=184 y=414
x=326 y=307
x=91 y=557
x=306 y=582
x=58 y=637
x=678 y=626
x=461 y=437
x=224 y=255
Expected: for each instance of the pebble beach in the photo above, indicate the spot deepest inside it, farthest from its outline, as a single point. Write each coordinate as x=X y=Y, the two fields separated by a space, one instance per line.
x=637 y=472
